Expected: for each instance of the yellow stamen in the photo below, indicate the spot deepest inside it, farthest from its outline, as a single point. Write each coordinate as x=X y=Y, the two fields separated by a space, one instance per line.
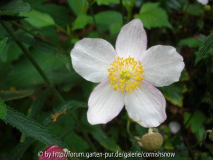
x=126 y=74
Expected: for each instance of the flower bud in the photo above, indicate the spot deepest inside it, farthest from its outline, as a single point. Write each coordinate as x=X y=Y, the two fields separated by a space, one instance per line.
x=207 y=8
x=52 y=153
x=152 y=141
x=211 y=136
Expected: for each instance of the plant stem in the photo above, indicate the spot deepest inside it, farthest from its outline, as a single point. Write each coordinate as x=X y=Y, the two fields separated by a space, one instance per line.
x=128 y=130
x=122 y=10
x=93 y=17
x=35 y=35
x=63 y=30
x=27 y=53
x=30 y=57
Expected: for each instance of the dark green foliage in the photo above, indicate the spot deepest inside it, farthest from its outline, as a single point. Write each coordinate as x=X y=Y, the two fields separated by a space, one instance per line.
x=14 y=6
x=10 y=18
x=204 y=48
x=31 y=128
x=44 y=112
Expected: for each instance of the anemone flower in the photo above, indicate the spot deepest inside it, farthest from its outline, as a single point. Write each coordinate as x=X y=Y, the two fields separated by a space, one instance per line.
x=204 y=2
x=127 y=75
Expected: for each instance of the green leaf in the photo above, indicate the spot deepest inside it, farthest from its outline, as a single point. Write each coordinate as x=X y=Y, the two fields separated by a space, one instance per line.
x=81 y=21
x=78 y=6
x=15 y=6
x=75 y=142
x=107 y=2
x=3 y=109
x=174 y=93
x=152 y=16
x=115 y=27
x=69 y=106
x=190 y=42
x=31 y=128
x=184 y=75
x=10 y=18
x=11 y=95
x=53 y=10
x=196 y=10
x=204 y=48
x=196 y=123
x=3 y=41
x=173 y=4
x=47 y=47
x=20 y=149
x=38 y=19
x=108 y=17
x=24 y=73
x=103 y=139
x=37 y=105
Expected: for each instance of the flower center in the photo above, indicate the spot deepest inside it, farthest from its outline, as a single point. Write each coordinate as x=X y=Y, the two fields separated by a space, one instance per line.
x=126 y=74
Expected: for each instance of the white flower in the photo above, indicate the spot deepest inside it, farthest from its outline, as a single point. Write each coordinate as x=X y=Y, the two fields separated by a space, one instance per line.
x=174 y=127
x=204 y=2
x=127 y=75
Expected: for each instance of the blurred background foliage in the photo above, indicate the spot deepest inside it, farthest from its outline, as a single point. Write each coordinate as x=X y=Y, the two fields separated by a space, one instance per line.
x=48 y=29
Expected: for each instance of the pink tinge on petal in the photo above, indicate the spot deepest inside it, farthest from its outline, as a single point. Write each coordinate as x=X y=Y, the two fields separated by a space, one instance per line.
x=104 y=104
x=132 y=40
x=204 y=2
x=146 y=105
x=53 y=153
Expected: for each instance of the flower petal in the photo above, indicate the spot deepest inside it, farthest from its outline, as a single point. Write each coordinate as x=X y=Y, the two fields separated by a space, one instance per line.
x=92 y=57
x=146 y=105
x=104 y=104
x=162 y=65
x=132 y=40
x=203 y=1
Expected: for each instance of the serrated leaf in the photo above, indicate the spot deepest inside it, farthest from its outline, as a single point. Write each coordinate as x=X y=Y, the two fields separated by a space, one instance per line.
x=81 y=21
x=10 y=18
x=107 y=2
x=204 y=48
x=103 y=139
x=78 y=7
x=11 y=95
x=47 y=47
x=31 y=128
x=38 y=19
x=3 y=41
x=152 y=16
x=196 y=123
x=36 y=107
x=69 y=106
x=174 y=93
x=15 y=6
x=17 y=152
x=3 y=109
x=190 y=42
